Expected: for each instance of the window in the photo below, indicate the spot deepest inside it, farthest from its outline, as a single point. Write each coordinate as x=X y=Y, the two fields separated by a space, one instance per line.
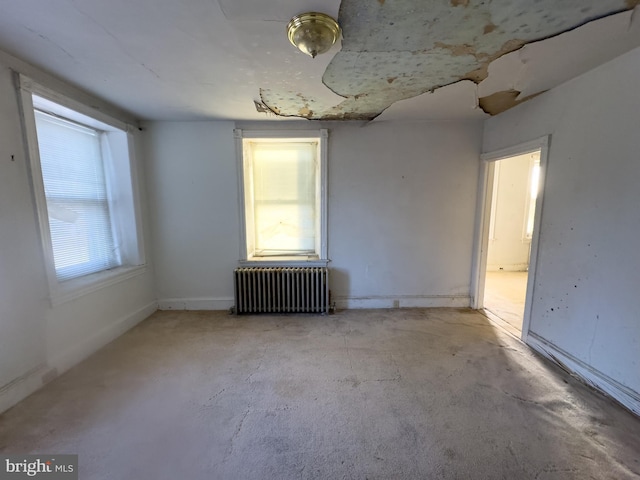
x=283 y=196
x=76 y=194
x=82 y=176
x=532 y=194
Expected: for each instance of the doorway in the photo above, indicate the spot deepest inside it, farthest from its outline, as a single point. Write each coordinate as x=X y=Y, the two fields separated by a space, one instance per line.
x=510 y=208
x=513 y=201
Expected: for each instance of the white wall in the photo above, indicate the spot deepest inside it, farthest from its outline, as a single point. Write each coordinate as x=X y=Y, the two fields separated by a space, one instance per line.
x=507 y=249
x=401 y=211
x=36 y=339
x=584 y=309
x=191 y=178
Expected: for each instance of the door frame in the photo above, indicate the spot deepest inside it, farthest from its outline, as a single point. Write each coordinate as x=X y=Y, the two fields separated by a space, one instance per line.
x=483 y=218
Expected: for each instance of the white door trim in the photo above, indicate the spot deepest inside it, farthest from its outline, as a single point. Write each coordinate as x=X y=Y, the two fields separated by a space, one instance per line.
x=483 y=215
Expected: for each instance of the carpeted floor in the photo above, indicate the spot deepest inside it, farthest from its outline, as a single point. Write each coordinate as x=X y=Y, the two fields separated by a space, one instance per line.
x=385 y=394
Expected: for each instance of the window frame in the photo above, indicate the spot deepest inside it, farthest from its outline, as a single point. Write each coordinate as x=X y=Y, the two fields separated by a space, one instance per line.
x=61 y=191
x=117 y=136
x=246 y=256
x=530 y=201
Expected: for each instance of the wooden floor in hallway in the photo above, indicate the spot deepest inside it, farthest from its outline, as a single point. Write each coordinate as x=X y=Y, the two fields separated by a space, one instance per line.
x=504 y=296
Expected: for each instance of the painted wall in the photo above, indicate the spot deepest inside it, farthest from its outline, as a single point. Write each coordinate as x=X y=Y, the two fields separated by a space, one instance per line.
x=401 y=211
x=507 y=249
x=36 y=339
x=588 y=273
x=193 y=191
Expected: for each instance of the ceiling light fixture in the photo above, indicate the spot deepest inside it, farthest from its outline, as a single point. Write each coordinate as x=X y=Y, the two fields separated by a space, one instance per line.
x=313 y=33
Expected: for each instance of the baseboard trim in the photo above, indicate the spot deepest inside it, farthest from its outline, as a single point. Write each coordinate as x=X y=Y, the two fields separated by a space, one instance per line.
x=203 y=303
x=74 y=355
x=586 y=373
x=34 y=379
x=21 y=387
x=403 y=301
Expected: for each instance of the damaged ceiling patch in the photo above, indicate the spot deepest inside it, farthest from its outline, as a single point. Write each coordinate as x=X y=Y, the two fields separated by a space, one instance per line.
x=458 y=101
x=502 y=101
x=400 y=49
x=540 y=66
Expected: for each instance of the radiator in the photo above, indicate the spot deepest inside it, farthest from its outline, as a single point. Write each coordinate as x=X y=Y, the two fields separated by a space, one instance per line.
x=281 y=290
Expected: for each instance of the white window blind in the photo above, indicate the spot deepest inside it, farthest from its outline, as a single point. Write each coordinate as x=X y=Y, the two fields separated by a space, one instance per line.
x=285 y=197
x=77 y=197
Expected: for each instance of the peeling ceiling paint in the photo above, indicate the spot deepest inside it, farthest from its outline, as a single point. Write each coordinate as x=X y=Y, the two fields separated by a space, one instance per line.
x=211 y=59
x=458 y=101
x=395 y=50
x=502 y=101
x=540 y=66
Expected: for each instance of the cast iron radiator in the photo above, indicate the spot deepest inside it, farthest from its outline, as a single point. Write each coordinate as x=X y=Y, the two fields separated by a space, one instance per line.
x=281 y=290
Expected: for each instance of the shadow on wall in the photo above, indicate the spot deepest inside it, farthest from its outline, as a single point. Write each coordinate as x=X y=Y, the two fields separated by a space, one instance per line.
x=339 y=285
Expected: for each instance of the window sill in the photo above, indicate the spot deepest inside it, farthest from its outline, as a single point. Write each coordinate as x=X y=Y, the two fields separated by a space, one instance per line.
x=284 y=262
x=79 y=287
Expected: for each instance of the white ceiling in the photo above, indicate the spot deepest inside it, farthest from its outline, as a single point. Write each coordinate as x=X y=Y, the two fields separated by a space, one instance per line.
x=210 y=59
